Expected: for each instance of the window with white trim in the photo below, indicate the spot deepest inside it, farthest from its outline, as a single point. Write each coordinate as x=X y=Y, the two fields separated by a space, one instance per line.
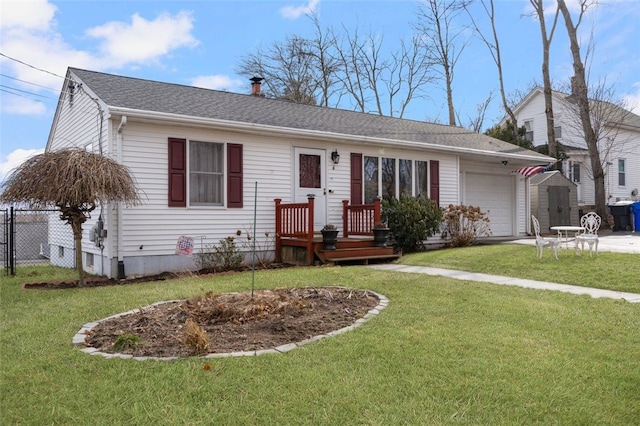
x=206 y=173
x=528 y=126
x=621 y=173
x=387 y=177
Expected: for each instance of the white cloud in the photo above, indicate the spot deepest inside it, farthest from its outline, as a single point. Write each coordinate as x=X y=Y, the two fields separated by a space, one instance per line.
x=29 y=34
x=216 y=82
x=31 y=14
x=294 y=12
x=22 y=106
x=143 y=40
x=14 y=159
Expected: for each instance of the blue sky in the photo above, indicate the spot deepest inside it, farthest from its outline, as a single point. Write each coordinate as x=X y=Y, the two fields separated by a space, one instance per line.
x=201 y=43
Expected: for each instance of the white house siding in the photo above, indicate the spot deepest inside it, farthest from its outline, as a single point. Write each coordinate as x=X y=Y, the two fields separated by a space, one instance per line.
x=156 y=227
x=626 y=145
x=77 y=125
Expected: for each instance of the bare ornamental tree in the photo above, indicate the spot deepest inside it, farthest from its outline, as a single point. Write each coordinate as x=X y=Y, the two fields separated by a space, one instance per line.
x=74 y=181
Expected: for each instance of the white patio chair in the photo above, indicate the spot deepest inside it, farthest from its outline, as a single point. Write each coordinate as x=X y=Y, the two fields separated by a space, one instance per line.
x=541 y=243
x=591 y=223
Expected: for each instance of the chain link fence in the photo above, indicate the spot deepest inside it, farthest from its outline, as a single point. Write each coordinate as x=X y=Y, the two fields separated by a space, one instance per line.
x=35 y=237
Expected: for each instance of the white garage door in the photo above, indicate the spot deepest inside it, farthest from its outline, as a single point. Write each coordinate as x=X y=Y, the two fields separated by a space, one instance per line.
x=495 y=196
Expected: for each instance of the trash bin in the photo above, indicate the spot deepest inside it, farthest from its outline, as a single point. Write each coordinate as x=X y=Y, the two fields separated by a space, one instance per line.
x=621 y=212
x=635 y=208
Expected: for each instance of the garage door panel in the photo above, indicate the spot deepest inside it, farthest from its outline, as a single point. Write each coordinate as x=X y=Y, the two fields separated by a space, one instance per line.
x=495 y=196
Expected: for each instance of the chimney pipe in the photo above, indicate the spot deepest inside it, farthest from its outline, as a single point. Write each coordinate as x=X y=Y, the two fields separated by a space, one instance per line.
x=255 y=86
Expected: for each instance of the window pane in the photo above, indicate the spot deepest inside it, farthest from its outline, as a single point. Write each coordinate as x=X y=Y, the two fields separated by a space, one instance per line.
x=309 y=171
x=422 y=178
x=206 y=176
x=575 y=172
x=388 y=178
x=405 y=177
x=621 y=174
x=370 y=179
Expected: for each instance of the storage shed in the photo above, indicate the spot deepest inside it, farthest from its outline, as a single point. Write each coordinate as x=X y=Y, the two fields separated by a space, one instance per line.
x=554 y=200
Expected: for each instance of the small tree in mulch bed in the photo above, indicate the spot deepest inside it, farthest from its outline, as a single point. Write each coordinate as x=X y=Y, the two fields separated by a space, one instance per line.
x=74 y=181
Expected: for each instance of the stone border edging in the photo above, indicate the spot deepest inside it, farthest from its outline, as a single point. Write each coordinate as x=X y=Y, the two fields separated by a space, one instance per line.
x=80 y=337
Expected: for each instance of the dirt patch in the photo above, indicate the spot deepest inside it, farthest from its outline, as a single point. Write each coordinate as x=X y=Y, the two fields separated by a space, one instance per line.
x=232 y=322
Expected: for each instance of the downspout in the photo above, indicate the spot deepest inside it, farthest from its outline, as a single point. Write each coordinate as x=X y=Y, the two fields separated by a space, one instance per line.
x=120 y=244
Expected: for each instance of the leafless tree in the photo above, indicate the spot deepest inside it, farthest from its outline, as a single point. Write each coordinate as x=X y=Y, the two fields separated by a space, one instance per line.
x=74 y=181
x=609 y=118
x=334 y=69
x=477 y=122
x=546 y=79
x=441 y=41
x=581 y=96
x=493 y=44
x=288 y=68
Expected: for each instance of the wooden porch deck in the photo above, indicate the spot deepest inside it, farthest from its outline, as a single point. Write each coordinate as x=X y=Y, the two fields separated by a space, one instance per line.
x=299 y=244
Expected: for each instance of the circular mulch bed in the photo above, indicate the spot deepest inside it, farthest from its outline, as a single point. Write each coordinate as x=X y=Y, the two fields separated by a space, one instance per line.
x=231 y=322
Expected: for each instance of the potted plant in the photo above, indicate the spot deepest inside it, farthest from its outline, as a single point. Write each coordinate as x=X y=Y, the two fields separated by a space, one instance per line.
x=329 y=236
x=380 y=234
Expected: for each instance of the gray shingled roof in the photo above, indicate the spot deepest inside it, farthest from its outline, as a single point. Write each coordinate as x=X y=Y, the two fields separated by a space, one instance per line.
x=146 y=95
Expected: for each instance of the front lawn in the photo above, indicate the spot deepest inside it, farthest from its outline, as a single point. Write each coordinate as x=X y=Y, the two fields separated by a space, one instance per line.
x=443 y=351
x=606 y=270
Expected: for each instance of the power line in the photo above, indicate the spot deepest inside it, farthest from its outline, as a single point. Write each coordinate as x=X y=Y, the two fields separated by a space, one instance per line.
x=29 y=65
x=24 y=91
x=28 y=82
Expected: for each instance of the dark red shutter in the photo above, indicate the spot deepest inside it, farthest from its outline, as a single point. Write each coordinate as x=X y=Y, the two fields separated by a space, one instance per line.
x=434 y=179
x=235 y=194
x=356 y=178
x=177 y=172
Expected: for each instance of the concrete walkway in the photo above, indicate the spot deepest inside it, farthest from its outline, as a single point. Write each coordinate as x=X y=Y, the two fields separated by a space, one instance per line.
x=497 y=279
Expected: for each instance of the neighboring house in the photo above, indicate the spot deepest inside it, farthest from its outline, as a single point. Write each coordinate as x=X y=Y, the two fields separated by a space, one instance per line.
x=197 y=156
x=619 y=142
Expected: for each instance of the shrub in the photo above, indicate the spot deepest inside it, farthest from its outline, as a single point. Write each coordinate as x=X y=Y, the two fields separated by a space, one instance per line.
x=224 y=256
x=411 y=220
x=463 y=225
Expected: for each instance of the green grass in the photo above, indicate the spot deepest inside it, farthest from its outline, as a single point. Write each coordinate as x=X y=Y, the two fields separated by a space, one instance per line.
x=443 y=351
x=606 y=270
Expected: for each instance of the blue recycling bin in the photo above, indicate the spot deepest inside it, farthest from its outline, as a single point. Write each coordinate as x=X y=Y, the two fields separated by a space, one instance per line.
x=635 y=208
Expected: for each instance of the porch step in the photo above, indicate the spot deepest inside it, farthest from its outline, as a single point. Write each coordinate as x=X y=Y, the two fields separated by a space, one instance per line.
x=355 y=253
x=364 y=259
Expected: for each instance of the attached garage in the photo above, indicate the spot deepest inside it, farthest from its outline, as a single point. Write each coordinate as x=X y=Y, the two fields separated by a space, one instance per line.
x=495 y=195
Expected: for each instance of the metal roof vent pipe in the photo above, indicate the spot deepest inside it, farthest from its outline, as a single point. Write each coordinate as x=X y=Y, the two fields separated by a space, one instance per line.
x=255 y=86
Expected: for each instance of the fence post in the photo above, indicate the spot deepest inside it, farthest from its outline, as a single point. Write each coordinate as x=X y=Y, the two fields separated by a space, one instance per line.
x=12 y=247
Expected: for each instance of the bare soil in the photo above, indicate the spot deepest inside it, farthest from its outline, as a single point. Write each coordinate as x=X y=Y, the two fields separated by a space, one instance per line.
x=231 y=322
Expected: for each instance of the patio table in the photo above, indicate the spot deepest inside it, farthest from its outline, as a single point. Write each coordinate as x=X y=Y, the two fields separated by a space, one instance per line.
x=566 y=230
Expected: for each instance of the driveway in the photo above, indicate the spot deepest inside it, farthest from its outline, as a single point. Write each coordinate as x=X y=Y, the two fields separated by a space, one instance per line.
x=619 y=242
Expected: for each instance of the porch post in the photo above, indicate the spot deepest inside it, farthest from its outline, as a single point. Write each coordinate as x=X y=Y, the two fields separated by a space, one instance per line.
x=377 y=216
x=311 y=198
x=278 y=256
x=345 y=218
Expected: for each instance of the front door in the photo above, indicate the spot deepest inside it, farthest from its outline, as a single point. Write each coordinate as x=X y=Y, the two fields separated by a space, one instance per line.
x=310 y=166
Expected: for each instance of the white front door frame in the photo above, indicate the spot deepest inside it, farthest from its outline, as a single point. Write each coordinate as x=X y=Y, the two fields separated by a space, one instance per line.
x=318 y=189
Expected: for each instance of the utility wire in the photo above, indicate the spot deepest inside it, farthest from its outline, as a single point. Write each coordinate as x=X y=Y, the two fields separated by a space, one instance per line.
x=24 y=91
x=28 y=82
x=29 y=65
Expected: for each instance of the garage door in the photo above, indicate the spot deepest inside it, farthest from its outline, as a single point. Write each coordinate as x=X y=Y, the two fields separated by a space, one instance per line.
x=495 y=196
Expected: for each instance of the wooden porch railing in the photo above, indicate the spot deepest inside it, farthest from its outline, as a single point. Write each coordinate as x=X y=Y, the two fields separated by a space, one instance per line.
x=358 y=219
x=295 y=220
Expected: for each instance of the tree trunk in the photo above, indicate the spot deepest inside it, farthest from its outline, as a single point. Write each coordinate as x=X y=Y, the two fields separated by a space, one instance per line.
x=546 y=79
x=582 y=99
x=77 y=239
